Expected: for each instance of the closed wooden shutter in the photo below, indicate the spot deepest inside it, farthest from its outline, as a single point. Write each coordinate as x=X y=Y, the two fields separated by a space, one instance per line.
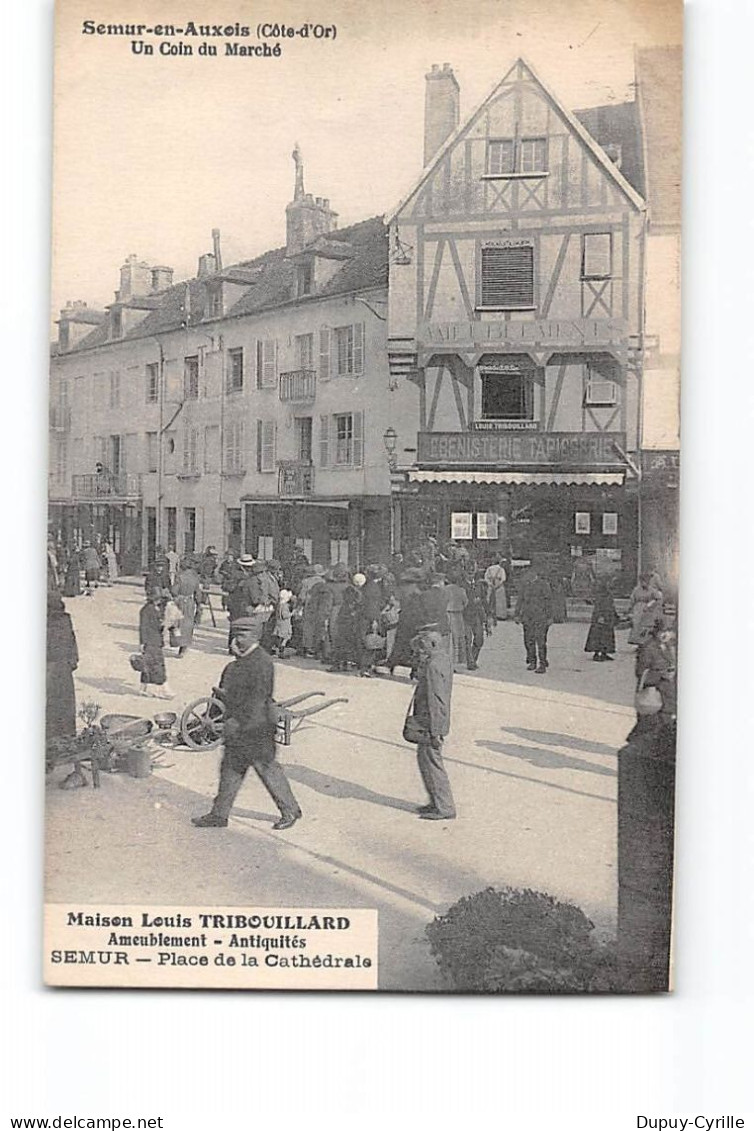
x=266 y=445
x=358 y=348
x=508 y=277
x=324 y=441
x=266 y=363
x=324 y=355
x=358 y=439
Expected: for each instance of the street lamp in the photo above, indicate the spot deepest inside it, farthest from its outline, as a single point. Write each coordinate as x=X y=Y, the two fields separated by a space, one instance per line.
x=390 y=440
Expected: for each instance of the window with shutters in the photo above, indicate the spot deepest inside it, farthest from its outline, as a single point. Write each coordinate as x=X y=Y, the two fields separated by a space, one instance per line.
x=507 y=278
x=233 y=448
x=597 y=255
x=348 y=350
x=191 y=378
x=153 y=383
x=266 y=438
x=191 y=451
x=235 y=371
x=346 y=440
x=267 y=377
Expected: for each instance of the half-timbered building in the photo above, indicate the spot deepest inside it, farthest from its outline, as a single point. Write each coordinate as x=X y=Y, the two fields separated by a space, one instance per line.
x=515 y=309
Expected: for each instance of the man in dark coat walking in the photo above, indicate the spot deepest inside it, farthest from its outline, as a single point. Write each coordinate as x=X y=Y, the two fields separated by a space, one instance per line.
x=432 y=711
x=534 y=612
x=246 y=688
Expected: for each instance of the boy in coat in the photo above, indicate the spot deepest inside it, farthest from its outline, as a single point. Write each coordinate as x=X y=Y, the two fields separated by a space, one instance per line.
x=246 y=687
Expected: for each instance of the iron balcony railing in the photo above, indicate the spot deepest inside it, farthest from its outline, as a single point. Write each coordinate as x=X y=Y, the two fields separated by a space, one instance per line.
x=299 y=386
x=106 y=485
x=295 y=479
x=60 y=418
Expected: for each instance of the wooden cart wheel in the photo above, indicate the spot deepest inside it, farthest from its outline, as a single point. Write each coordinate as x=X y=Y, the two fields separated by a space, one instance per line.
x=202 y=723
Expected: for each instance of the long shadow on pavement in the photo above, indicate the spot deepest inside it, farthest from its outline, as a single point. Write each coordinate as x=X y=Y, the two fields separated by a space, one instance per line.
x=547 y=759
x=330 y=786
x=545 y=736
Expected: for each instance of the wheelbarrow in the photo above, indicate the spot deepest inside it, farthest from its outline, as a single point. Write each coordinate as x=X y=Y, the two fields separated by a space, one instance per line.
x=203 y=720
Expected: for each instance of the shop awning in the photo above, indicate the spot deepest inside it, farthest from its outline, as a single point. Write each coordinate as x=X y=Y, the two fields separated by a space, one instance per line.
x=533 y=478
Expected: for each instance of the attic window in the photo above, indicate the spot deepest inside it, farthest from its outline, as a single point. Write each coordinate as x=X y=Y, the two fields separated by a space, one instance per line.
x=516 y=157
x=214 y=302
x=116 y=323
x=304 y=279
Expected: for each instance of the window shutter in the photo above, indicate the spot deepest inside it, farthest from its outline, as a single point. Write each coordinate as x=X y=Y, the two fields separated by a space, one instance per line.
x=267 y=445
x=358 y=348
x=508 y=277
x=269 y=363
x=260 y=362
x=324 y=355
x=324 y=440
x=358 y=439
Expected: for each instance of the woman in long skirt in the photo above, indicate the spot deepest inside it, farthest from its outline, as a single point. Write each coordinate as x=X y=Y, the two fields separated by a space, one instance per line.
x=72 y=584
x=62 y=661
x=153 y=672
x=645 y=605
x=187 y=593
x=601 y=637
x=457 y=602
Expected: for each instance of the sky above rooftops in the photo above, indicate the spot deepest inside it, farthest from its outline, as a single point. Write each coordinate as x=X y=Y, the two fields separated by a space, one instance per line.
x=153 y=152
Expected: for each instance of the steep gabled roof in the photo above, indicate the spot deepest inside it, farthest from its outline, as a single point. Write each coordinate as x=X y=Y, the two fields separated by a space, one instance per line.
x=270 y=282
x=571 y=119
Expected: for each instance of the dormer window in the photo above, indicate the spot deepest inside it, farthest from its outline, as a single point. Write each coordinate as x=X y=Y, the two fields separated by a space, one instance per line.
x=116 y=322
x=516 y=157
x=214 y=302
x=304 y=279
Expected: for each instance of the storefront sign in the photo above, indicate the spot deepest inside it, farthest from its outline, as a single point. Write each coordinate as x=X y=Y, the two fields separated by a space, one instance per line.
x=545 y=332
x=507 y=448
x=486 y=526
x=460 y=525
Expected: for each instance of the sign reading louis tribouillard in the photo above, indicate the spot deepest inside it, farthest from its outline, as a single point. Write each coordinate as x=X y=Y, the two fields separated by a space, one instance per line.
x=211 y=947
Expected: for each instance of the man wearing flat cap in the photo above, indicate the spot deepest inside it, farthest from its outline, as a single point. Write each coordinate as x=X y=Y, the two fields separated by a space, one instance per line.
x=246 y=688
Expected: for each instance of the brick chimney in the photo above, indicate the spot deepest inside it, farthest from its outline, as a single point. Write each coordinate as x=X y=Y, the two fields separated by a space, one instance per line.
x=306 y=218
x=442 y=108
x=162 y=278
x=207 y=265
x=135 y=279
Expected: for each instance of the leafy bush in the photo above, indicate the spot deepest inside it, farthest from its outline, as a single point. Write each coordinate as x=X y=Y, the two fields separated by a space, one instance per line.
x=519 y=941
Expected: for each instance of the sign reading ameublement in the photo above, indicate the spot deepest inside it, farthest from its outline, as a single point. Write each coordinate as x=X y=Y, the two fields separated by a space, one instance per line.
x=506 y=448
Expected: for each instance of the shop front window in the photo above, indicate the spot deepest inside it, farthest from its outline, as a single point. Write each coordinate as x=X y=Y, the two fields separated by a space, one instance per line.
x=507 y=396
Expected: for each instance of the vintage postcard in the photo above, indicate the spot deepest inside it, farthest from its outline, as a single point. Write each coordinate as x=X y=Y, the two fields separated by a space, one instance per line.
x=362 y=558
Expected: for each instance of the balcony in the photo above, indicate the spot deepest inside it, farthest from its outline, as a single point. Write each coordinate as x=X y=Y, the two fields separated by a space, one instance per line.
x=107 y=486
x=299 y=386
x=295 y=479
x=60 y=418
